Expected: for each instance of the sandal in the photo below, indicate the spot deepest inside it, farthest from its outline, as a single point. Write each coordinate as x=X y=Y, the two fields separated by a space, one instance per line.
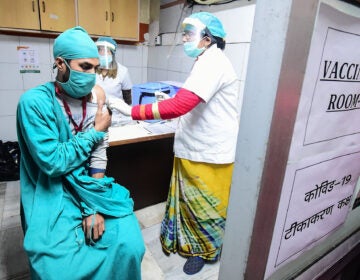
x=193 y=265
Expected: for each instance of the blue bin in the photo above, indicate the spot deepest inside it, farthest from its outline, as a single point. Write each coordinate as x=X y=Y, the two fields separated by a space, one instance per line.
x=145 y=93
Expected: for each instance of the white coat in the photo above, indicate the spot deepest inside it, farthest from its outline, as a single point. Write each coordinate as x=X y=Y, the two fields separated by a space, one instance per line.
x=208 y=133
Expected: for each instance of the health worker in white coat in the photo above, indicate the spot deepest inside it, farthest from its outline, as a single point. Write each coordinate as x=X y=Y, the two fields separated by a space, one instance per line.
x=205 y=140
x=113 y=77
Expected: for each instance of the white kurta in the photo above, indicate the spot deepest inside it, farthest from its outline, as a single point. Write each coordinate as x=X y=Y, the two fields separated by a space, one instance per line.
x=208 y=133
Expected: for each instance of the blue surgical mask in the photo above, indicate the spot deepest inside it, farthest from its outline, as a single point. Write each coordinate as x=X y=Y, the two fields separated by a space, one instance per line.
x=192 y=50
x=105 y=61
x=79 y=83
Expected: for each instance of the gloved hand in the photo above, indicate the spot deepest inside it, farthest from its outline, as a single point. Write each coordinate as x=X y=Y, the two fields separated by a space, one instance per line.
x=119 y=105
x=161 y=96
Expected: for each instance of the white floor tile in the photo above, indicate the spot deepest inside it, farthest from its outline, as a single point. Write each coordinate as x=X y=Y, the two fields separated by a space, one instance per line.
x=150 y=270
x=151 y=215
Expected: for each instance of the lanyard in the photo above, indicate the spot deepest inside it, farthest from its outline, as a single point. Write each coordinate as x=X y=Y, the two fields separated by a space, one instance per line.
x=68 y=111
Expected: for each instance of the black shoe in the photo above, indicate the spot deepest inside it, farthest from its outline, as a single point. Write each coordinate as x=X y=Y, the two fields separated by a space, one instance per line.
x=193 y=265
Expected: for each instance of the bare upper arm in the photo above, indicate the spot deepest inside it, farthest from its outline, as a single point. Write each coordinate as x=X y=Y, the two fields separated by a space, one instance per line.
x=100 y=94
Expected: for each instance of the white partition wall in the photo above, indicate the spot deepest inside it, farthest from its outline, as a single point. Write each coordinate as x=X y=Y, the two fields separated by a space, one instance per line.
x=292 y=211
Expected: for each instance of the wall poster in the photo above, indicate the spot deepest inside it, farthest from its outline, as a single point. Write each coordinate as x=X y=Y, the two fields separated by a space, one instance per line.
x=28 y=59
x=324 y=160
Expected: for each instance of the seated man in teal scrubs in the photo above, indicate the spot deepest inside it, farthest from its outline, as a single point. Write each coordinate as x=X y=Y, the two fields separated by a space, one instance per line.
x=75 y=226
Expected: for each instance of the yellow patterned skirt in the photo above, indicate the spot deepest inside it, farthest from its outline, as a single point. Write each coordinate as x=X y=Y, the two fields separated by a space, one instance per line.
x=195 y=215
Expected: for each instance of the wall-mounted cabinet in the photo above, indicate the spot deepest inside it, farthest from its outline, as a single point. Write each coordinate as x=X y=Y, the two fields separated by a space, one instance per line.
x=19 y=14
x=94 y=16
x=125 y=19
x=116 y=18
x=57 y=15
x=47 y=15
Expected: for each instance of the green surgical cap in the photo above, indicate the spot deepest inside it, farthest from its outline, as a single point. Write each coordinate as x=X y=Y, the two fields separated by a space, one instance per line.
x=212 y=23
x=75 y=43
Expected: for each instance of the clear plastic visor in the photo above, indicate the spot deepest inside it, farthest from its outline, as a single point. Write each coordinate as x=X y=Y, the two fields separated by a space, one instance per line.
x=106 y=57
x=104 y=50
x=192 y=29
x=190 y=33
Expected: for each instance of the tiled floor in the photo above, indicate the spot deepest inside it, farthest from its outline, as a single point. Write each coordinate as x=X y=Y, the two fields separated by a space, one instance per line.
x=13 y=262
x=155 y=266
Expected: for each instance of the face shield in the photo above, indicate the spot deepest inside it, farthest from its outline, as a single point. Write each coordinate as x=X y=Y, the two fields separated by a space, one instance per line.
x=106 y=54
x=193 y=33
x=193 y=30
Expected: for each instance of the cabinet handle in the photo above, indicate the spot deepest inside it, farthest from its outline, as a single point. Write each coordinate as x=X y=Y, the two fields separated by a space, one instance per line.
x=43 y=6
x=112 y=16
x=106 y=15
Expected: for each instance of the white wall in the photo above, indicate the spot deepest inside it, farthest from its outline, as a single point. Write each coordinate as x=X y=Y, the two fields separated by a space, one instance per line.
x=13 y=84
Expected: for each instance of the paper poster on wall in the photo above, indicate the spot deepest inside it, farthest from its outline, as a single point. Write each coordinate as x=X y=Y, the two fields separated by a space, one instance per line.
x=321 y=189
x=320 y=178
x=336 y=96
x=28 y=59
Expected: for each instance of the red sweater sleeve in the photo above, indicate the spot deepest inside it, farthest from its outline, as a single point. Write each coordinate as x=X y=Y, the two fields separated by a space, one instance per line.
x=183 y=102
